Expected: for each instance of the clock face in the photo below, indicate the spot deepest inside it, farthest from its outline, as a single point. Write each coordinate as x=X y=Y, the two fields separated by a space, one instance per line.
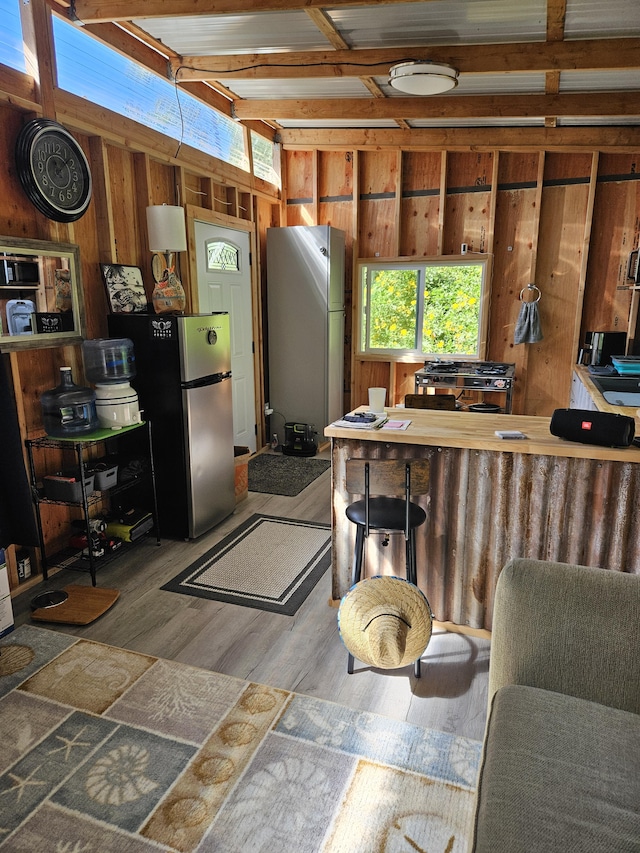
x=53 y=170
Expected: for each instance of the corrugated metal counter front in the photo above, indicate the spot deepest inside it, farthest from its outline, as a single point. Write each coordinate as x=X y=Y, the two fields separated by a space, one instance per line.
x=491 y=500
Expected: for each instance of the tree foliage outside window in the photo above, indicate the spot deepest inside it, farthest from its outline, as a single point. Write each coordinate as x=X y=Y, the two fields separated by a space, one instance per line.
x=394 y=301
x=427 y=309
x=451 y=317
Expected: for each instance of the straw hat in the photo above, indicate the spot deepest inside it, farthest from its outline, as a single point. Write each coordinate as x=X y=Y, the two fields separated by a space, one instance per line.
x=385 y=622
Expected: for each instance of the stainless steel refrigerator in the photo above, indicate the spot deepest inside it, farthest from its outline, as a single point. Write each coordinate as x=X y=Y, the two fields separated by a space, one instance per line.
x=305 y=295
x=183 y=380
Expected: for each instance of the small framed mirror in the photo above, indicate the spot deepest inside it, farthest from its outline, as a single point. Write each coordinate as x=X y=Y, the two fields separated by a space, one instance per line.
x=41 y=297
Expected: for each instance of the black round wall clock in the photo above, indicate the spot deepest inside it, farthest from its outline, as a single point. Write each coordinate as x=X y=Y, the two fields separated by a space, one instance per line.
x=53 y=170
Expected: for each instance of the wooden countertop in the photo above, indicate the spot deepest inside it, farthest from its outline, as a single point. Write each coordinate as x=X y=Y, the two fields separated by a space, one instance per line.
x=601 y=403
x=477 y=431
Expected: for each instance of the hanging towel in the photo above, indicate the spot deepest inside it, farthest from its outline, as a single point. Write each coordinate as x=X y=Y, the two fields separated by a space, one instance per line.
x=528 y=329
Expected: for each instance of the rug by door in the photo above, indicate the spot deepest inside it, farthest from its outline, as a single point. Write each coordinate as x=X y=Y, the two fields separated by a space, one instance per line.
x=267 y=562
x=111 y=750
x=273 y=474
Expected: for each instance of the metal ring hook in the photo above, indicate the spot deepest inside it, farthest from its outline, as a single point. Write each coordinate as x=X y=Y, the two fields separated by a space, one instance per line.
x=531 y=287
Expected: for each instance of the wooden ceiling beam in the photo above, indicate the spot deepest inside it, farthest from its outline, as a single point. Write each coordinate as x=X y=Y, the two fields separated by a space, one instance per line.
x=125 y=41
x=326 y=26
x=556 y=14
x=441 y=107
x=586 y=139
x=588 y=55
x=99 y=11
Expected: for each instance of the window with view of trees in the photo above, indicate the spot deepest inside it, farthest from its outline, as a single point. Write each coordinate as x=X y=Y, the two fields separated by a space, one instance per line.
x=430 y=308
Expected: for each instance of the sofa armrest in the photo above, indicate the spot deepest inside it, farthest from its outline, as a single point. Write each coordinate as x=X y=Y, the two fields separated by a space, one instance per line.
x=570 y=629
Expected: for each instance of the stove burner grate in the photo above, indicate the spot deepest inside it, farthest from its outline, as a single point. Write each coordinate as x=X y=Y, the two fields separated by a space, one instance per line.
x=441 y=367
x=467 y=368
x=493 y=370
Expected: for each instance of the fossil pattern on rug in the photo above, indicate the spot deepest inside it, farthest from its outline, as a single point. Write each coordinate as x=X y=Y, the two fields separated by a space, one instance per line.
x=110 y=750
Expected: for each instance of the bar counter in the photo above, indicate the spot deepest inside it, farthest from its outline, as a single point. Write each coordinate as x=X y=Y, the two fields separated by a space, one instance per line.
x=489 y=500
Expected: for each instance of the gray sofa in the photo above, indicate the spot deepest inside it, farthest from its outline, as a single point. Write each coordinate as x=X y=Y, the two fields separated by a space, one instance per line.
x=561 y=759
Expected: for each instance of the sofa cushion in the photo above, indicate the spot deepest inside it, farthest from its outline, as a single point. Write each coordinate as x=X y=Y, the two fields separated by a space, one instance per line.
x=570 y=629
x=558 y=774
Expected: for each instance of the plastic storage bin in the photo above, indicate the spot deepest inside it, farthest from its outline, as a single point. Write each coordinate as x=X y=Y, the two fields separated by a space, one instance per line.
x=626 y=365
x=20 y=316
x=105 y=475
x=67 y=487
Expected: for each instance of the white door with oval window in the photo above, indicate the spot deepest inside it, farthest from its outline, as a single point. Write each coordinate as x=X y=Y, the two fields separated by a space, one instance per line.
x=224 y=284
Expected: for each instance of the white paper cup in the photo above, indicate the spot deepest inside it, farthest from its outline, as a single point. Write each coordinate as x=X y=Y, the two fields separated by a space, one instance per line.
x=377 y=397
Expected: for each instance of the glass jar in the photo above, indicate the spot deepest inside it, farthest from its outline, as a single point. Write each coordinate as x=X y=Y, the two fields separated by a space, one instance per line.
x=69 y=409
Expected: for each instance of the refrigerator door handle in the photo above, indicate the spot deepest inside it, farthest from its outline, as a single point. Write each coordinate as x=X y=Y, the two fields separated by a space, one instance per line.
x=203 y=381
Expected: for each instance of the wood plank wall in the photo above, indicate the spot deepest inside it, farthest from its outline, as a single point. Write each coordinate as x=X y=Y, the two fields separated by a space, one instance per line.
x=565 y=221
x=127 y=177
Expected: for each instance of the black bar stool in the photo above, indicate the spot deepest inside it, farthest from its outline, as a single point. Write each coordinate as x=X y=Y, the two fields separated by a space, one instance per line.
x=381 y=481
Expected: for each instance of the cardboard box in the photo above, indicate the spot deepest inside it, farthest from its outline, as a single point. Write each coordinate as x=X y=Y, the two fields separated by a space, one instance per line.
x=6 y=610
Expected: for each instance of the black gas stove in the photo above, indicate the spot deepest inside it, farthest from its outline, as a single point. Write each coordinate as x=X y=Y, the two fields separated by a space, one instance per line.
x=491 y=376
x=469 y=368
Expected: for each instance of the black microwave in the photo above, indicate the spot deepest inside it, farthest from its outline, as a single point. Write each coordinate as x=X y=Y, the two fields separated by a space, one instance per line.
x=600 y=346
x=18 y=271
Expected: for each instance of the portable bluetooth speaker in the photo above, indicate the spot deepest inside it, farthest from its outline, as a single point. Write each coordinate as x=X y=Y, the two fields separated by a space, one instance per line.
x=589 y=427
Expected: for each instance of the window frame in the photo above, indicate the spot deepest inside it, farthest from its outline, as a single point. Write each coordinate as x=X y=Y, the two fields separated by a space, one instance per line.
x=420 y=264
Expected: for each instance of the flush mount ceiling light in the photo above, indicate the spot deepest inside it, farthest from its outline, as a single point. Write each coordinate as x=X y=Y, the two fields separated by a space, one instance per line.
x=422 y=77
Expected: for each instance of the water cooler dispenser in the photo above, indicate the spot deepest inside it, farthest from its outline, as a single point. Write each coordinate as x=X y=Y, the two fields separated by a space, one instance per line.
x=110 y=364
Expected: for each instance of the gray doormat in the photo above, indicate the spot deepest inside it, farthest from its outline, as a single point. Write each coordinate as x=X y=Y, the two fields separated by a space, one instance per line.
x=283 y=475
x=267 y=562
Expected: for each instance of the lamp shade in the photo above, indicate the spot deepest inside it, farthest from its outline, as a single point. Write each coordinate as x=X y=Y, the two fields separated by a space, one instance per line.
x=165 y=227
x=422 y=77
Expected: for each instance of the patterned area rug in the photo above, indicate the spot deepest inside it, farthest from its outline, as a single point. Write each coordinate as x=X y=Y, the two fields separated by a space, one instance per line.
x=106 y=750
x=267 y=562
x=283 y=475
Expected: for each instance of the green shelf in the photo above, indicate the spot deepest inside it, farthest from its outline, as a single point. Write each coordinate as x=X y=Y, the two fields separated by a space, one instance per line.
x=98 y=435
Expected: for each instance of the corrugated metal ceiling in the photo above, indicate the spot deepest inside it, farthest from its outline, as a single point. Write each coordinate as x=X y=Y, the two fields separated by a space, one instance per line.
x=451 y=22
x=390 y=25
x=587 y=19
x=254 y=32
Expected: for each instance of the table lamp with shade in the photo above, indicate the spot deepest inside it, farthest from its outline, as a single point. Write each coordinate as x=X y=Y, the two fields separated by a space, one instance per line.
x=167 y=237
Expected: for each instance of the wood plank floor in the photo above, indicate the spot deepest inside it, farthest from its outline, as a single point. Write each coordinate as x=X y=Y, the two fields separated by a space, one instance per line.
x=302 y=653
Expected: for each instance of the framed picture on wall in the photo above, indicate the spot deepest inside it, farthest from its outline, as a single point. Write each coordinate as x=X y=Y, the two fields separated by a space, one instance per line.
x=125 y=289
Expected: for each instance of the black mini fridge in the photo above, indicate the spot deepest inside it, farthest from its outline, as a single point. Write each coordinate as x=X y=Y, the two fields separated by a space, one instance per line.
x=183 y=381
